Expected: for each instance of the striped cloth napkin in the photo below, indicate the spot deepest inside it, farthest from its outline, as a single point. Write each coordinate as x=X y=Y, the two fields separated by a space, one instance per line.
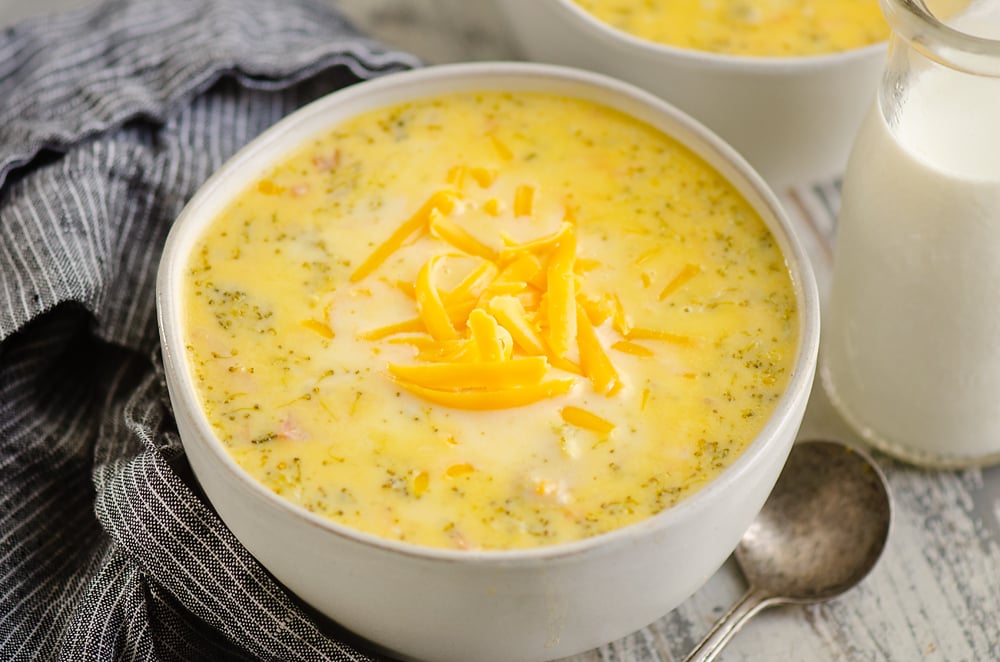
x=110 y=119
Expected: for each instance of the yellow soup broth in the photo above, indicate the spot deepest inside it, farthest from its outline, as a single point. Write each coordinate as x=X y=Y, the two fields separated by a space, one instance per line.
x=488 y=321
x=765 y=28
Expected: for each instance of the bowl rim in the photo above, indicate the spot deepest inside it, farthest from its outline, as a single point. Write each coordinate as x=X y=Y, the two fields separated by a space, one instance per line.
x=469 y=77
x=761 y=63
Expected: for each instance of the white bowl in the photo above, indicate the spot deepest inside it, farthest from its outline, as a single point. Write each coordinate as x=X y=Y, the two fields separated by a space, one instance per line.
x=793 y=118
x=446 y=605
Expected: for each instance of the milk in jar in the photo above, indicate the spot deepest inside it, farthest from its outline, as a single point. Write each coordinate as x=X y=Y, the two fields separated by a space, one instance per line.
x=911 y=354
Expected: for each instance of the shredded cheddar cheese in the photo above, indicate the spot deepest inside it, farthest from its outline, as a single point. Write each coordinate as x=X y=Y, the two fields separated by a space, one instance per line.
x=511 y=315
x=502 y=150
x=524 y=198
x=593 y=359
x=421 y=481
x=488 y=374
x=688 y=272
x=492 y=207
x=441 y=202
x=459 y=238
x=457 y=470
x=483 y=176
x=632 y=348
x=654 y=334
x=504 y=317
x=267 y=187
x=481 y=399
x=561 y=295
x=582 y=418
x=473 y=284
x=322 y=328
x=456 y=176
x=430 y=306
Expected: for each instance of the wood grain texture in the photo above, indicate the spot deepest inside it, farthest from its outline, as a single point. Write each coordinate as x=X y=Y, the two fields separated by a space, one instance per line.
x=935 y=595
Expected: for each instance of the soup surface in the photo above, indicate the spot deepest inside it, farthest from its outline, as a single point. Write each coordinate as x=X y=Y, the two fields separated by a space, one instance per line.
x=743 y=27
x=488 y=321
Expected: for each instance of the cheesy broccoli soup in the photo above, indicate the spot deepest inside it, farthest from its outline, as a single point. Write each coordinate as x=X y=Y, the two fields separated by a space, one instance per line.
x=742 y=27
x=488 y=321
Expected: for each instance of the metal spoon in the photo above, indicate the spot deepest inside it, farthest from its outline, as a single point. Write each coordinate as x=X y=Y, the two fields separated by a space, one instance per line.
x=821 y=531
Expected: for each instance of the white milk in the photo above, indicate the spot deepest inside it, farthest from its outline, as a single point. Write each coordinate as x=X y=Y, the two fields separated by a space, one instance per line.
x=980 y=18
x=911 y=354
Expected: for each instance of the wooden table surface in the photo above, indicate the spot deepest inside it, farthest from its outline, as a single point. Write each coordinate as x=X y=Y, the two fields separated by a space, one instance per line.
x=935 y=595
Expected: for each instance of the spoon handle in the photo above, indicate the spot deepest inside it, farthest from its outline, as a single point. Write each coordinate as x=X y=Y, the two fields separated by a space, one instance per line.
x=752 y=601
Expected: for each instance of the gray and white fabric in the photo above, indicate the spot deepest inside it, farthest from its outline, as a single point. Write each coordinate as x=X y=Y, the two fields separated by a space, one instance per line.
x=110 y=119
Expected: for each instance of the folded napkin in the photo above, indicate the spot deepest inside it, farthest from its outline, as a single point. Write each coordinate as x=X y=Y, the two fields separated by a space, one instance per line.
x=110 y=119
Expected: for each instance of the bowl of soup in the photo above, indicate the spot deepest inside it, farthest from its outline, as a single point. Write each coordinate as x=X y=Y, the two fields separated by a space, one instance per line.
x=785 y=83
x=487 y=361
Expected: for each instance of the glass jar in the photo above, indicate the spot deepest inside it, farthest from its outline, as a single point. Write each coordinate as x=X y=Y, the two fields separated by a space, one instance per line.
x=911 y=350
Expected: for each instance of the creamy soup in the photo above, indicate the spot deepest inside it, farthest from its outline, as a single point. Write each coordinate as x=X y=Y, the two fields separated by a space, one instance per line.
x=488 y=321
x=745 y=27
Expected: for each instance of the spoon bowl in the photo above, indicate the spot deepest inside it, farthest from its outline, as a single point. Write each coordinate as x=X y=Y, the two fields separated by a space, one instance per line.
x=821 y=531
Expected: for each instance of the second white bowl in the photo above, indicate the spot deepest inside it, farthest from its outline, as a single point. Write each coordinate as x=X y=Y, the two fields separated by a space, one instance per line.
x=793 y=118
